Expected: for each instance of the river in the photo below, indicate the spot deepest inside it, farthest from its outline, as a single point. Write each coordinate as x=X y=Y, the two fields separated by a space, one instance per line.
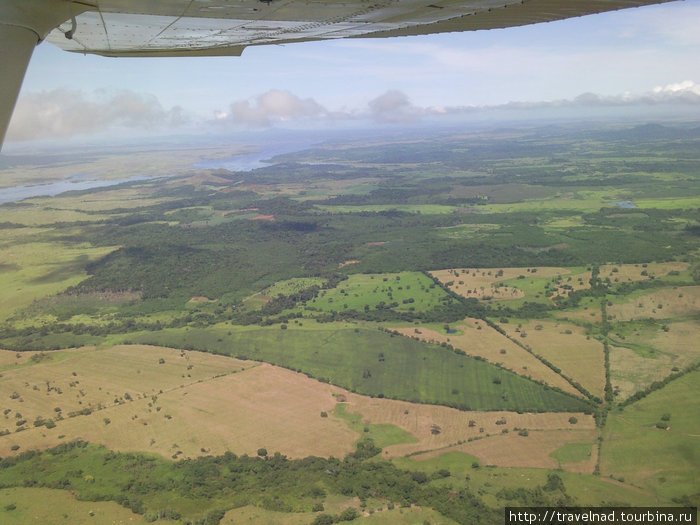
x=244 y=162
x=18 y=193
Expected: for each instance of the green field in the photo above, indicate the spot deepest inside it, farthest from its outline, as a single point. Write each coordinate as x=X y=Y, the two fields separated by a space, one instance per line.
x=572 y=452
x=406 y=291
x=19 y=506
x=671 y=460
x=383 y=435
x=378 y=364
x=490 y=481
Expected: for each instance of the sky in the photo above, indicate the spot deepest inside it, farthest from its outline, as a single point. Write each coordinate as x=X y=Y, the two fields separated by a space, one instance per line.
x=641 y=58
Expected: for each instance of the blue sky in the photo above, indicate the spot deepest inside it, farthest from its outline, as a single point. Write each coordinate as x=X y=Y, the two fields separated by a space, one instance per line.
x=627 y=57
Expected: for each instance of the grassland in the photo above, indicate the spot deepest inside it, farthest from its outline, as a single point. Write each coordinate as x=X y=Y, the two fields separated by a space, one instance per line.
x=476 y=338
x=19 y=506
x=489 y=283
x=109 y=164
x=383 y=434
x=376 y=363
x=567 y=347
x=409 y=289
x=440 y=429
x=671 y=462
x=208 y=404
x=52 y=506
x=573 y=452
x=533 y=450
x=666 y=303
x=646 y=351
x=490 y=480
x=38 y=269
x=125 y=398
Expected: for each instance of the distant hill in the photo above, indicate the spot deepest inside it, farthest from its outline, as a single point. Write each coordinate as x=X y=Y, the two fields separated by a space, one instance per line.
x=650 y=131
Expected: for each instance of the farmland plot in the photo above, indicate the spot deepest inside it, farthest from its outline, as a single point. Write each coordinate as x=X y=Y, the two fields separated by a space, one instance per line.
x=568 y=348
x=476 y=338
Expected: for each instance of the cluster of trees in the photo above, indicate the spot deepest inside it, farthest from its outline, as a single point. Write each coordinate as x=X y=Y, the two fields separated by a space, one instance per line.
x=273 y=482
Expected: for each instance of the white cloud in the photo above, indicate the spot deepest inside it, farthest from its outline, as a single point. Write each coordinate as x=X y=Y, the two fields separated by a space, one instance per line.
x=394 y=107
x=63 y=112
x=680 y=93
x=686 y=93
x=269 y=108
x=687 y=86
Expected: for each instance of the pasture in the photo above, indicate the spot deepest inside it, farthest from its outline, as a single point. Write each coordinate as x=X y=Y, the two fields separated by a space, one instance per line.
x=199 y=216
x=406 y=290
x=32 y=270
x=665 y=303
x=567 y=347
x=71 y=387
x=680 y=340
x=38 y=213
x=19 y=506
x=646 y=351
x=194 y=403
x=631 y=372
x=441 y=429
x=533 y=450
x=489 y=481
x=190 y=404
x=643 y=272
x=664 y=429
x=573 y=452
x=373 y=362
x=482 y=283
x=476 y=338
x=382 y=434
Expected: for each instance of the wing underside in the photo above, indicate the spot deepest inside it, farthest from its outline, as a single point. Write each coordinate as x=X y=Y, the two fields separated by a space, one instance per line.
x=219 y=27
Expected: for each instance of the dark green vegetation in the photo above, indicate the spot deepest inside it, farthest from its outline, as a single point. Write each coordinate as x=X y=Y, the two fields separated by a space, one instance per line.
x=380 y=365
x=205 y=262
x=202 y=490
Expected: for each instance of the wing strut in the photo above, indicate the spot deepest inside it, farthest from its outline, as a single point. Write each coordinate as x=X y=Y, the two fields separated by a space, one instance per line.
x=23 y=24
x=16 y=47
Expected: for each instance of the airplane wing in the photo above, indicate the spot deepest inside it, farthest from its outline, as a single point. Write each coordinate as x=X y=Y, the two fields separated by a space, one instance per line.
x=119 y=28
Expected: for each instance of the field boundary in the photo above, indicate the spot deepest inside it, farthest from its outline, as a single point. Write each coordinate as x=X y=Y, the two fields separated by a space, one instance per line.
x=544 y=361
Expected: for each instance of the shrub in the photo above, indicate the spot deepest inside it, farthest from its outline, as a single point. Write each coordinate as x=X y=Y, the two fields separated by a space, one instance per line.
x=323 y=519
x=348 y=514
